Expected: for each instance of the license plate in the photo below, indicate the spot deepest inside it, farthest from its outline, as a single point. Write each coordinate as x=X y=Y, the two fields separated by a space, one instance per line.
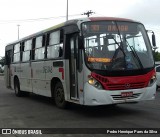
x=126 y=94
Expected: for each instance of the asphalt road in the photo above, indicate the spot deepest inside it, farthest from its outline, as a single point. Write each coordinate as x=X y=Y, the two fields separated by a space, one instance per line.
x=39 y=112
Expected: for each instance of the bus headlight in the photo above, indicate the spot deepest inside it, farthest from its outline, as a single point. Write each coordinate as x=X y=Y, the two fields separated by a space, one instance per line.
x=95 y=83
x=152 y=80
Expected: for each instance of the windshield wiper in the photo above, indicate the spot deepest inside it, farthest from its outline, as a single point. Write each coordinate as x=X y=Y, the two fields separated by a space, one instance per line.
x=119 y=46
x=135 y=54
x=117 y=50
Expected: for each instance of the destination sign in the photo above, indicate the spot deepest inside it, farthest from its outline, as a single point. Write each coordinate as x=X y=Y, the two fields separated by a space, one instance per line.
x=98 y=27
x=113 y=28
x=102 y=60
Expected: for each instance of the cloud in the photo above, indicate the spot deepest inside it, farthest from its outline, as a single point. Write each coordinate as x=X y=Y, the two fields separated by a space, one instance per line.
x=145 y=11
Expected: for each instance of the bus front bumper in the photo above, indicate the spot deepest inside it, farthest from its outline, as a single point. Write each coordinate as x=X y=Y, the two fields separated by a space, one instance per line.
x=94 y=96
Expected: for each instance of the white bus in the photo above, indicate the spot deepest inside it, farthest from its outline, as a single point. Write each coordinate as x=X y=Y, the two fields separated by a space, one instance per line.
x=90 y=61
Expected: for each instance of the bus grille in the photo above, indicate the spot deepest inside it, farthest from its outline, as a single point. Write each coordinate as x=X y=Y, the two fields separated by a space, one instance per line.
x=123 y=83
x=125 y=87
x=119 y=97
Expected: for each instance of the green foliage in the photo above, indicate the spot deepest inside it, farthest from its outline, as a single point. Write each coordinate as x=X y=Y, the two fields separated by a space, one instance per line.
x=2 y=61
x=156 y=55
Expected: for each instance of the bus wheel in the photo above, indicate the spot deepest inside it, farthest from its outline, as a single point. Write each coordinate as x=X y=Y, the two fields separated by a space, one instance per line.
x=17 y=88
x=59 y=96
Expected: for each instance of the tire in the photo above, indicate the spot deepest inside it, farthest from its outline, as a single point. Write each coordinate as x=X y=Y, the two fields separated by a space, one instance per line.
x=59 y=98
x=17 y=90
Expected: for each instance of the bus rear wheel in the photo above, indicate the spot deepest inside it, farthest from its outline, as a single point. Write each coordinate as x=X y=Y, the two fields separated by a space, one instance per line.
x=59 y=96
x=17 y=90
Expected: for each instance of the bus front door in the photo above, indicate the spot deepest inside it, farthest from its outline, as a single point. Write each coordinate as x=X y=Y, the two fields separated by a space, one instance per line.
x=73 y=69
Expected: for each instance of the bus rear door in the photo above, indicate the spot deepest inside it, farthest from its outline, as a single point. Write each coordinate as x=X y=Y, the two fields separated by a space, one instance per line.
x=7 y=70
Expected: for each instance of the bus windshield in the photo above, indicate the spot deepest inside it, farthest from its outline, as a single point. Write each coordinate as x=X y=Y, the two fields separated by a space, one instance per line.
x=116 y=45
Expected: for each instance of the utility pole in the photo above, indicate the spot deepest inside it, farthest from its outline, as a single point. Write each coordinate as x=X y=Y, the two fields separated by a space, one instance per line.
x=18 y=31
x=67 y=11
x=88 y=13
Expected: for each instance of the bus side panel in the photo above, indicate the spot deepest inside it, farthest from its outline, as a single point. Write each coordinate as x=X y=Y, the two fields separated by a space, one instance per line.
x=15 y=72
x=38 y=79
x=26 y=83
x=54 y=72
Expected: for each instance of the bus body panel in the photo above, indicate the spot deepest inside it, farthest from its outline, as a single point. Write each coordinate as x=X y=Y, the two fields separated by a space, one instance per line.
x=38 y=78
x=52 y=72
x=15 y=73
x=94 y=96
x=25 y=79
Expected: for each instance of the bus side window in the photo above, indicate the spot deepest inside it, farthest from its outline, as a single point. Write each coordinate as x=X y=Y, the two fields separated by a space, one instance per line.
x=55 y=44
x=26 y=50
x=16 y=55
x=39 y=48
x=8 y=58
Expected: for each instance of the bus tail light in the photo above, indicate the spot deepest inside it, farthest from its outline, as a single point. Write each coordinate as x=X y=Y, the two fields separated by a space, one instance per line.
x=94 y=83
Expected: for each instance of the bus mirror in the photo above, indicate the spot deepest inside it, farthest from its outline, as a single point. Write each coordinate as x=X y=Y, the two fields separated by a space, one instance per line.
x=153 y=40
x=80 y=42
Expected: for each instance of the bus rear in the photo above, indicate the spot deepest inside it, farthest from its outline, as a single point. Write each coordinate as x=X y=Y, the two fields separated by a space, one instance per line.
x=119 y=65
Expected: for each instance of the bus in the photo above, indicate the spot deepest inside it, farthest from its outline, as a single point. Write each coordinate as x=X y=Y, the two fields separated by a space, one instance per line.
x=88 y=61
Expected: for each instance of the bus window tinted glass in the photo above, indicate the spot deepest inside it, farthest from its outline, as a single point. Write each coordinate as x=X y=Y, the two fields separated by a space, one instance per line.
x=54 y=38
x=28 y=45
x=39 y=53
x=17 y=48
x=39 y=42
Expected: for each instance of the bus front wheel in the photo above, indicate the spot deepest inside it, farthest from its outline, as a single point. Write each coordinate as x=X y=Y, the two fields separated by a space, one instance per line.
x=59 y=96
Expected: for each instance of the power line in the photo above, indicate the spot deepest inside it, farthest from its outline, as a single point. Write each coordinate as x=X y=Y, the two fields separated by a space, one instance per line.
x=34 y=20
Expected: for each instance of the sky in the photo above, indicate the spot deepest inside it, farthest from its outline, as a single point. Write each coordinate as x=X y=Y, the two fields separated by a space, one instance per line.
x=35 y=15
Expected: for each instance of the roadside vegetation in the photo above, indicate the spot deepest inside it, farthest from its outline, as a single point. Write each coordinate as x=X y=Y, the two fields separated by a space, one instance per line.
x=2 y=64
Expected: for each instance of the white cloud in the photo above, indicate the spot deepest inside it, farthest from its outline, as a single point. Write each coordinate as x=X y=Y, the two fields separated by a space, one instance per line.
x=146 y=11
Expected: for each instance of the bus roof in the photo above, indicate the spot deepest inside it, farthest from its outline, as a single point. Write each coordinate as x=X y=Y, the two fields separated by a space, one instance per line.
x=72 y=22
x=110 y=19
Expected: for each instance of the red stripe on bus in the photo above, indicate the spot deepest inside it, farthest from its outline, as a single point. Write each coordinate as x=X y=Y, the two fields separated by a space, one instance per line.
x=62 y=71
x=125 y=82
x=109 y=19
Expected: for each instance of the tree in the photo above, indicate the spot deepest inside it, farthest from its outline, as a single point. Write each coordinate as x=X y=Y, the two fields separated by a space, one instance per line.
x=156 y=55
x=2 y=61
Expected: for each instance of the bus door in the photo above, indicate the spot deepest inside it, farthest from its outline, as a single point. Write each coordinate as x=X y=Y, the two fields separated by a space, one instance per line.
x=73 y=68
x=7 y=68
